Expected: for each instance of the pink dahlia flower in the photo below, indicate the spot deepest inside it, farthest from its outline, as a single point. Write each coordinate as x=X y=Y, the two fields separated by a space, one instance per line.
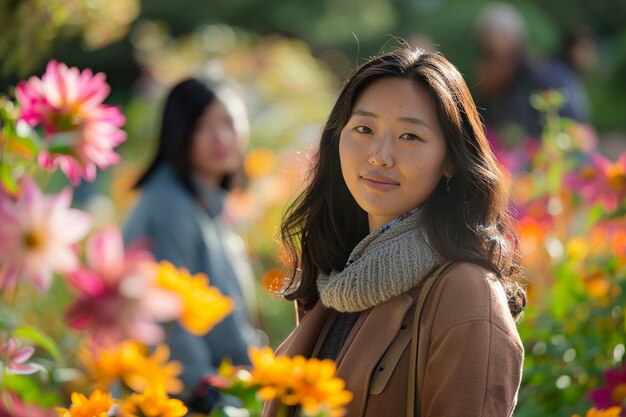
x=68 y=101
x=37 y=235
x=119 y=295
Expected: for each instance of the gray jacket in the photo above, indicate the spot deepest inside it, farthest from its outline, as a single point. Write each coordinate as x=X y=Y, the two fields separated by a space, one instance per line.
x=183 y=232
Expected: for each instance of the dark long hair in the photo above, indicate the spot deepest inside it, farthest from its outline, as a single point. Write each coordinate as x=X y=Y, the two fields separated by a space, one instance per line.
x=184 y=106
x=470 y=223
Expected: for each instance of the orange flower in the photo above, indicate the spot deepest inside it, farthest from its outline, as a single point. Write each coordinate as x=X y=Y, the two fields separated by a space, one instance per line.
x=273 y=281
x=204 y=306
x=609 y=412
x=597 y=284
x=154 y=402
x=259 y=162
x=97 y=405
x=128 y=362
x=310 y=383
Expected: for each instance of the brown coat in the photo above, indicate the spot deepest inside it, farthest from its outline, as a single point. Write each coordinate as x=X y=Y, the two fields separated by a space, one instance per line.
x=469 y=360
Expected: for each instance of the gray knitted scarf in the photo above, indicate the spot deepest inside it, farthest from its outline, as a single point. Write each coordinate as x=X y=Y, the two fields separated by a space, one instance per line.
x=387 y=262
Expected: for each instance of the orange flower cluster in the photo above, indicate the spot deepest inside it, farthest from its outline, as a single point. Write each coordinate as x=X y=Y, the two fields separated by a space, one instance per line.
x=97 y=405
x=129 y=363
x=310 y=383
x=204 y=306
x=609 y=412
x=154 y=402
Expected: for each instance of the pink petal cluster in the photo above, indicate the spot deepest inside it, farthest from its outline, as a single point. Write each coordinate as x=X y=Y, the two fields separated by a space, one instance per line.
x=614 y=394
x=119 y=297
x=537 y=209
x=600 y=181
x=15 y=358
x=68 y=100
x=37 y=235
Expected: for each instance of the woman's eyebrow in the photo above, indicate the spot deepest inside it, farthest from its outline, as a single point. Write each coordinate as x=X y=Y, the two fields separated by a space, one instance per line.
x=415 y=121
x=360 y=112
x=406 y=119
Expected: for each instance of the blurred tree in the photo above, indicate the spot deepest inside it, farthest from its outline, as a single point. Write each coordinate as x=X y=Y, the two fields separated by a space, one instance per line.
x=341 y=32
x=30 y=29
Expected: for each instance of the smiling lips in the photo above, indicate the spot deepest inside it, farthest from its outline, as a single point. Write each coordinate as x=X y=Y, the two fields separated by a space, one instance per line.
x=379 y=183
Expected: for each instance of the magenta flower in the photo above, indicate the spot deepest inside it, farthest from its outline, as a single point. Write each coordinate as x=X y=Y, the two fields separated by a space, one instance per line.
x=37 y=235
x=119 y=296
x=515 y=158
x=65 y=100
x=15 y=357
x=614 y=394
x=600 y=180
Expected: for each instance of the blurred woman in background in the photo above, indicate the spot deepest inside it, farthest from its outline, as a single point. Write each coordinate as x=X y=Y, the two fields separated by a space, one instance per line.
x=180 y=211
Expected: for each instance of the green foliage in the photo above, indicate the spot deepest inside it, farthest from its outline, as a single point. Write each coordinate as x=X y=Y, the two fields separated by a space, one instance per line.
x=32 y=391
x=41 y=339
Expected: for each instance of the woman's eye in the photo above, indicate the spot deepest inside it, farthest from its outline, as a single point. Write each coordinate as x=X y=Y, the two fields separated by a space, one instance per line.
x=409 y=136
x=363 y=129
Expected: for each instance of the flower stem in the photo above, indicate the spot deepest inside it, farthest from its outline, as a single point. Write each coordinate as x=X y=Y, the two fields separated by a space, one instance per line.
x=282 y=411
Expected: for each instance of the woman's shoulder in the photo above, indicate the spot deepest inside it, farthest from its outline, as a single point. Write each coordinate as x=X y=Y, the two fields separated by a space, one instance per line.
x=469 y=282
x=467 y=292
x=164 y=196
x=163 y=205
x=165 y=188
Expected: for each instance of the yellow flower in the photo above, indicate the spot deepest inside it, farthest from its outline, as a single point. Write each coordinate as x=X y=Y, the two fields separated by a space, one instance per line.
x=154 y=402
x=204 y=306
x=609 y=412
x=97 y=405
x=577 y=248
x=129 y=362
x=310 y=383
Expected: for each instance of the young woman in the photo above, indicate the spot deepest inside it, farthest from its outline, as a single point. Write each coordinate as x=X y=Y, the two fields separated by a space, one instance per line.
x=180 y=212
x=405 y=185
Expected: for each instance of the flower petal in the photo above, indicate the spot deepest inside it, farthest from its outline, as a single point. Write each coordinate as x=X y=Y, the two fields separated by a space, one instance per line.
x=23 y=354
x=24 y=369
x=105 y=254
x=88 y=282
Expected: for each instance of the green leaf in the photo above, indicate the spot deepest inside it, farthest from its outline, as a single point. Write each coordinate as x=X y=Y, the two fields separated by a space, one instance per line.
x=30 y=390
x=28 y=142
x=62 y=142
x=6 y=178
x=61 y=149
x=41 y=339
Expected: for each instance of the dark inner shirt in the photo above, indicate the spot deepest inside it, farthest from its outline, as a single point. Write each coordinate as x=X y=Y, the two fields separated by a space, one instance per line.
x=341 y=327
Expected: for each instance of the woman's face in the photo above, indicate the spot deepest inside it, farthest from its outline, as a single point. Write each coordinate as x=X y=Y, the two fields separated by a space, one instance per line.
x=392 y=150
x=215 y=146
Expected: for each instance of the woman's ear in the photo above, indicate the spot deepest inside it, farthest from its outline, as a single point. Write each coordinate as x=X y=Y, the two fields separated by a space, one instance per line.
x=449 y=169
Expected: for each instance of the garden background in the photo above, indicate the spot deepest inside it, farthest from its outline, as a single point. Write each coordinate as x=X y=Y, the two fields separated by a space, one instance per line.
x=289 y=59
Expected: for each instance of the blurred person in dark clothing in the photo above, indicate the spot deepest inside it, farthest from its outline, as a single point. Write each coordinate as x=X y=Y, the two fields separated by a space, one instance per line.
x=505 y=77
x=577 y=57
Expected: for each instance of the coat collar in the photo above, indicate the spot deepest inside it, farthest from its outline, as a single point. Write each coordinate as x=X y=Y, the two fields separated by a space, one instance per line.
x=368 y=347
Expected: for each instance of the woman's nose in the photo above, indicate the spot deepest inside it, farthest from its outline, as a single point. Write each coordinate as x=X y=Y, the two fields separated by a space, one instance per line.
x=381 y=153
x=226 y=135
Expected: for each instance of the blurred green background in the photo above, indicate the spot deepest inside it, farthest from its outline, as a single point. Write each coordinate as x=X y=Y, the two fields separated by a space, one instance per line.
x=102 y=34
